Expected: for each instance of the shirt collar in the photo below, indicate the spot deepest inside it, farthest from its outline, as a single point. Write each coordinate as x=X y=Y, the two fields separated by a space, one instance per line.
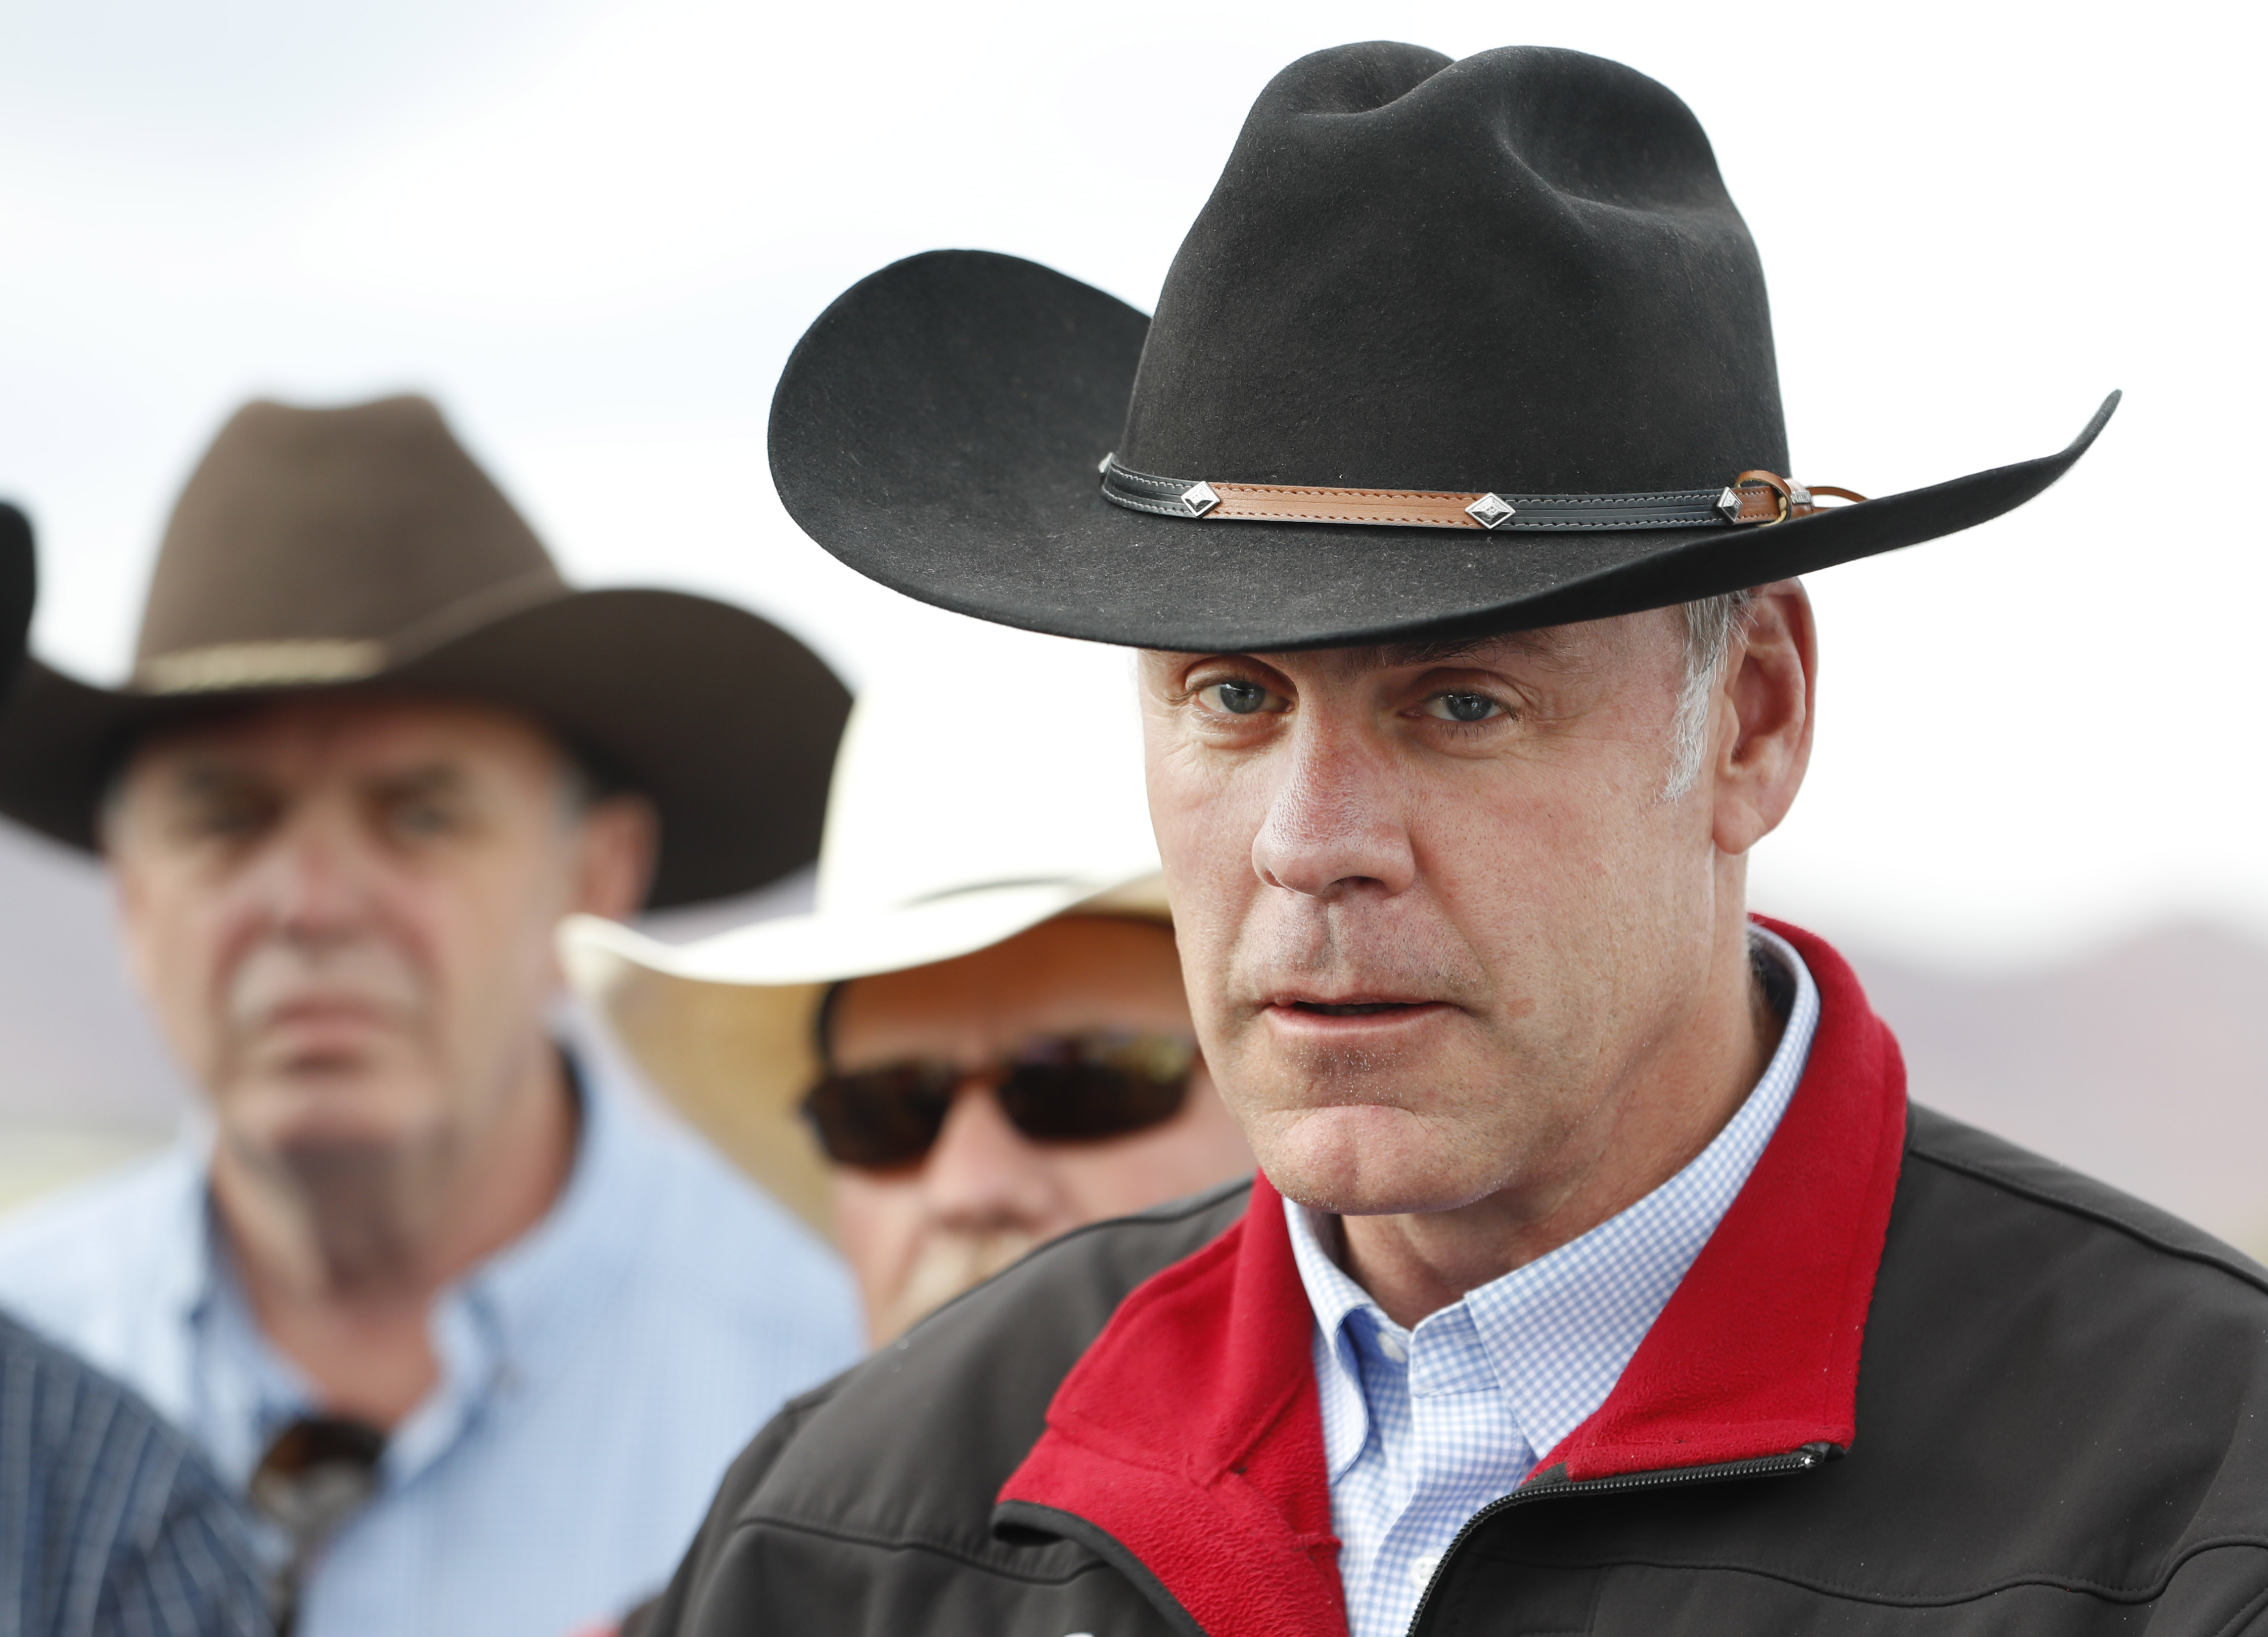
x=1589 y=1304
x=1339 y=1304
x=586 y=1240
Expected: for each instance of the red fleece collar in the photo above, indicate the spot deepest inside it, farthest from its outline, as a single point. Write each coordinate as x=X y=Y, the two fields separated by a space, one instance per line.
x=1191 y=1433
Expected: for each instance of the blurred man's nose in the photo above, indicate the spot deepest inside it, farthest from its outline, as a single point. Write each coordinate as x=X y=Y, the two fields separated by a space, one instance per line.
x=983 y=1173
x=314 y=879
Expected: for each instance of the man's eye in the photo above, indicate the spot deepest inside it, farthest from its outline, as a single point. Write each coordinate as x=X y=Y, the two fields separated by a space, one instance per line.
x=422 y=818
x=1462 y=707
x=1236 y=698
x=222 y=820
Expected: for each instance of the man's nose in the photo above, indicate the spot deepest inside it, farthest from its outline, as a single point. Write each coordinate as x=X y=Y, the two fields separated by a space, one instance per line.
x=1334 y=819
x=983 y=1173
x=310 y=883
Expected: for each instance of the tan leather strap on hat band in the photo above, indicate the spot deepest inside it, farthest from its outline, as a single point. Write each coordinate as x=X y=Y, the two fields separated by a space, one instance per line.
x=1753 y=497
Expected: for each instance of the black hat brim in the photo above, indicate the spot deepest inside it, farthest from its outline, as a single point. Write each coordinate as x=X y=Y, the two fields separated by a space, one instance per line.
x=18 y=581
x=939 y=430
x=725 y=722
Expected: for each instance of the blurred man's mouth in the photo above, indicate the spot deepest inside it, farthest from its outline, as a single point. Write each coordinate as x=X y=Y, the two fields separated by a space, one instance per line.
x=319 y=1037
x=331 y=1015
x=324 y=1009
x=319 y=1021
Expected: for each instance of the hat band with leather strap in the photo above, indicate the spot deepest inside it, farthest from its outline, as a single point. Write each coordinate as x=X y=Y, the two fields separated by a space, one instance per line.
x=1752 y=498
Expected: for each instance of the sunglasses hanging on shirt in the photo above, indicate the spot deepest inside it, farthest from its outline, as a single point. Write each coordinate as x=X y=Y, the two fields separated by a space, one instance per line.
x=314 y=1475
x=1055 y=1088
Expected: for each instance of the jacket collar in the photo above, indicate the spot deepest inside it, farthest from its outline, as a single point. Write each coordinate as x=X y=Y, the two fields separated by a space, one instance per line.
x=1190 y=1433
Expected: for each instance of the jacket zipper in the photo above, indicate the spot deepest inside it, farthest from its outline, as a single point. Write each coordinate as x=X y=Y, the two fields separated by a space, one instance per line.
x=1800 y=1460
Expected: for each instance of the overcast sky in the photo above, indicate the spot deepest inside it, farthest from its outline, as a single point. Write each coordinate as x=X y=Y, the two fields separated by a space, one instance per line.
x=593 y=230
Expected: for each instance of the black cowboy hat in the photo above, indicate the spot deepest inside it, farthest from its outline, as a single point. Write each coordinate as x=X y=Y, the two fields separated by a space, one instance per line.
x=362 y=548
x=1454 y=347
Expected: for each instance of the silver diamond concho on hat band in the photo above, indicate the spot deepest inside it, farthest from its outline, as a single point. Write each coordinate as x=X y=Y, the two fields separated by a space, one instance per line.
x=1754 y=498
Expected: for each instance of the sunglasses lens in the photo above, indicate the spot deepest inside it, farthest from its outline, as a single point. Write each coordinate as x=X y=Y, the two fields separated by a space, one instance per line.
x=882 y=1120
x=1090 y=1087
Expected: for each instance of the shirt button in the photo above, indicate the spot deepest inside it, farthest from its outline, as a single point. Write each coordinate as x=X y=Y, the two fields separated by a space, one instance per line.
x=1390 y=1345
x=1421 y=1570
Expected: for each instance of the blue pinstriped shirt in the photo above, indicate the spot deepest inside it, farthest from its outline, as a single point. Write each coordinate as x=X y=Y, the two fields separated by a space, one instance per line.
x=1424 y=1427
x=110 y=1524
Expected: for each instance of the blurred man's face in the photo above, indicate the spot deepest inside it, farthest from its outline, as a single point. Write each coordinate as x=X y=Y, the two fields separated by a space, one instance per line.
x=342 y=911
x=985 y=1193
x=1432 y=903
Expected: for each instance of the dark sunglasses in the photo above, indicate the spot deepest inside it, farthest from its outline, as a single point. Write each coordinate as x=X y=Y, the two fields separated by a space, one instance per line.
x=314 y=1475
x=1055 y=1088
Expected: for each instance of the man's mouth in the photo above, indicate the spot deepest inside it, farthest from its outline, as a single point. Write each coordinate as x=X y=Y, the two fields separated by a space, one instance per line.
x=1351 y=1010
x=319 y=1035
x=324 y=1009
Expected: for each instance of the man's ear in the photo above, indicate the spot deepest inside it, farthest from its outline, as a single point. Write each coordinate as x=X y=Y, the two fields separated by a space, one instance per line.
x=621 y=837
x=1769 y=676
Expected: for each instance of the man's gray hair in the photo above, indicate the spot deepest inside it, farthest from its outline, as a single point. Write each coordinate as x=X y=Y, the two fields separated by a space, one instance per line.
x=1711 y=624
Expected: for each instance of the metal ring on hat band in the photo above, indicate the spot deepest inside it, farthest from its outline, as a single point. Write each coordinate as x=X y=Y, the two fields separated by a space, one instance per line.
x=1754 y=497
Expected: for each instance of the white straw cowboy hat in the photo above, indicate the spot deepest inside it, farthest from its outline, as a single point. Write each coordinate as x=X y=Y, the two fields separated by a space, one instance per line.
x=966 y=808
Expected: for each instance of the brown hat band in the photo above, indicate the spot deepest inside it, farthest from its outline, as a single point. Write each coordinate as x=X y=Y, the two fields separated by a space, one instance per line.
x=286 y=663
x=1754 y=498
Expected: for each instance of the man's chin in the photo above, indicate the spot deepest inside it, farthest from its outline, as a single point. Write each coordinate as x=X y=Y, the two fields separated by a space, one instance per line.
x=331 y=1116
x=1364 y=1159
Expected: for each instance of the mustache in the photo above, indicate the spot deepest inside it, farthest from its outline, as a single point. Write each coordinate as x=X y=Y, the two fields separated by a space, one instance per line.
x=948 y=1262
x=276 y=978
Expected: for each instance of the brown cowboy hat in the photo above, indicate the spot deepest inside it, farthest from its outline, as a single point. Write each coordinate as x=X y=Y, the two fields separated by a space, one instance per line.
x=361 y=547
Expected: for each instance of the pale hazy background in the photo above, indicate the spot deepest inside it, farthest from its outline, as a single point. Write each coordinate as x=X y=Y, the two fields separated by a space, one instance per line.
x=594 y=228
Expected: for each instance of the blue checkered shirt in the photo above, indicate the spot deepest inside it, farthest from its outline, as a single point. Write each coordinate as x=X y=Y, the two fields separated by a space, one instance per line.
x=1422 y=1428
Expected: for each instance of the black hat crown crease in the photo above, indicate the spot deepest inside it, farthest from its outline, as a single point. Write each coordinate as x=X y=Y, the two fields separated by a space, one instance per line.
x=1519 y=274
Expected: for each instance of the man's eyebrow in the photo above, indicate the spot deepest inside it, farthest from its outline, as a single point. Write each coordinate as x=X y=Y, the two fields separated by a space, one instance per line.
x=199 y=776
x=430 y=779
x=1541 y=645
x=1544 y=643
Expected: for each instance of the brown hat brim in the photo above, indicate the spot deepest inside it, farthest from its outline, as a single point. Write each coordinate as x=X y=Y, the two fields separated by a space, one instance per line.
x=725 y=721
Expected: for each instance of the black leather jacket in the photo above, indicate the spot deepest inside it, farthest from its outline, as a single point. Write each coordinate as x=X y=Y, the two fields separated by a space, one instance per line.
x=2061 y=1425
